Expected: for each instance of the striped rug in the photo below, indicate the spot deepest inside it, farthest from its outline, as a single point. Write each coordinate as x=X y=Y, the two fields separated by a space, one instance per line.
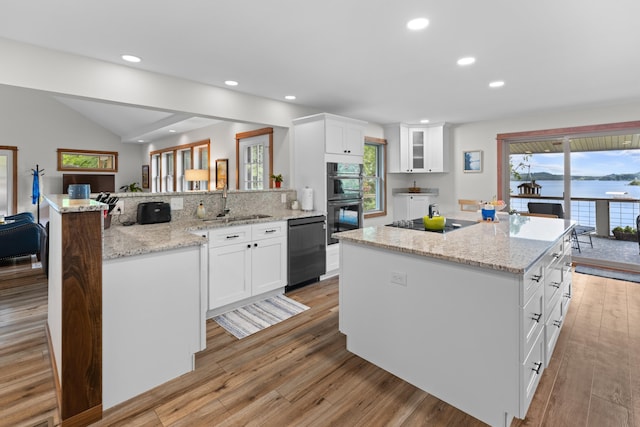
x=259 y=315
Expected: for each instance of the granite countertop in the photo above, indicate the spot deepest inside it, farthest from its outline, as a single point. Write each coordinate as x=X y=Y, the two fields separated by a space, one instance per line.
x=120 y=241
x=63 y=204
x=512 y=244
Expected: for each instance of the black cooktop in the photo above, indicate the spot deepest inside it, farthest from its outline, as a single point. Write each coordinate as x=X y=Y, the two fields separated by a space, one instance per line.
x=418 y=224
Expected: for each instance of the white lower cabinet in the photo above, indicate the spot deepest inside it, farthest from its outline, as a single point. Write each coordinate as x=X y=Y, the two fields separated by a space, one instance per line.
x=229 y=268
x=246 y=261
x=410 y=206
x=531 y=370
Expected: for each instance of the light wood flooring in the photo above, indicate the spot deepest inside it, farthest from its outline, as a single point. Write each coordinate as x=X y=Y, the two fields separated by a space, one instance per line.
x=299 y=372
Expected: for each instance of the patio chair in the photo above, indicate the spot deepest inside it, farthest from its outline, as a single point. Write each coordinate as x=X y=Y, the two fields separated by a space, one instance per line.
x=557 y=210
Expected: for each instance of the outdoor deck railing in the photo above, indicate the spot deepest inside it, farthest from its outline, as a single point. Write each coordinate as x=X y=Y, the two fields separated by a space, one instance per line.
x=620 y=212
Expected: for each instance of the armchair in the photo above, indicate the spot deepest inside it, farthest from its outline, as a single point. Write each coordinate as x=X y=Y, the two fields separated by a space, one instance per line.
x=21 y=235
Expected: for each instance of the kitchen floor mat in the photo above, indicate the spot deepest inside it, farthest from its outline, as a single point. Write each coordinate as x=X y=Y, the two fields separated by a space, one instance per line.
x=259 y=315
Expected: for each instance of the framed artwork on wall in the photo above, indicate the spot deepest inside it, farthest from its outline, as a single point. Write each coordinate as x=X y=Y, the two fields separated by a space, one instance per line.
x=222 y=168
x=145 y=176
x=472 y=161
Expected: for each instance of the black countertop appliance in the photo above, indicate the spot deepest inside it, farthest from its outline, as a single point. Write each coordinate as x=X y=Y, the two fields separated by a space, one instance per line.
x=307 y=259
x=153 y=213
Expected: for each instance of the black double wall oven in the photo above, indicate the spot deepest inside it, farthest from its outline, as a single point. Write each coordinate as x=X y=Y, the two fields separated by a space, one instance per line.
x=344 y=198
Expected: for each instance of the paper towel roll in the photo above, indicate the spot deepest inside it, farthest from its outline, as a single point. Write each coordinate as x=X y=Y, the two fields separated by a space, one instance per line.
x=306 y=201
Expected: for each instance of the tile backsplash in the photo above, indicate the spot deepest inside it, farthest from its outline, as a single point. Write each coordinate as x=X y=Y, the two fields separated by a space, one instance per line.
x=238 y=202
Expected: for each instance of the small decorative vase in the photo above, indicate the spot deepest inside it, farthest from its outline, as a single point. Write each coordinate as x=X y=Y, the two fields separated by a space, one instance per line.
x=200 y=212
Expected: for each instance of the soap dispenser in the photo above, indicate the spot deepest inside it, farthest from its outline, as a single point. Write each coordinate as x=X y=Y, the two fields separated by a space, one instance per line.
x=200 y=212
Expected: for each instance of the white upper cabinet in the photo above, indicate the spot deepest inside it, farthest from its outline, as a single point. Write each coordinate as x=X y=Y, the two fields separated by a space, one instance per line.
x=418 y=149
x=344 y=138
x=340 y=135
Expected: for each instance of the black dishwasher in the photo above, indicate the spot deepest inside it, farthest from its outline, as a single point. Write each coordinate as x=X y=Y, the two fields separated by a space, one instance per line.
x=307 y=250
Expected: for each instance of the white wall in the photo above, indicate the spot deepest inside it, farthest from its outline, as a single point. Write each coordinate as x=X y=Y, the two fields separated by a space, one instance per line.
x=38 y=125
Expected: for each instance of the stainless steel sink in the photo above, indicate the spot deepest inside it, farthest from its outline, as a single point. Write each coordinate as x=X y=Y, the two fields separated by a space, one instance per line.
x=237 y=218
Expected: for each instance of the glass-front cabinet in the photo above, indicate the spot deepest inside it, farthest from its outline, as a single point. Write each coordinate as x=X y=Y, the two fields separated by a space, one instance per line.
x=418 y=149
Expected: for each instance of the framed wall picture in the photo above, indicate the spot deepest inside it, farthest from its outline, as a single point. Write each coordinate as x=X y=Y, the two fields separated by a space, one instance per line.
x=145 y=176
x=222 y=169
x=472 y=161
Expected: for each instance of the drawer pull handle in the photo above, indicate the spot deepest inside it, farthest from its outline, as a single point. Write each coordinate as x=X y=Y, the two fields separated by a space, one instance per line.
x=536 y=317
x=233 y=236
x=568 y=264
x=555 y=284
x=555 y=255
x=557 y=323
x=270 y=231
x=567 y=296
x=536 y=277
x=538 y=366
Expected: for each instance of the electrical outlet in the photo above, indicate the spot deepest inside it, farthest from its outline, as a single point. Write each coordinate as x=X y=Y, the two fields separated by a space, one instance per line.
x=119 y=209
x=399 y=278
x=177 y=203
x=283 y=198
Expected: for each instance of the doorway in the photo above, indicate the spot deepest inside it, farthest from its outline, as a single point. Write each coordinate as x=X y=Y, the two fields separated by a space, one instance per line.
x=8 y=180
x=591 y=170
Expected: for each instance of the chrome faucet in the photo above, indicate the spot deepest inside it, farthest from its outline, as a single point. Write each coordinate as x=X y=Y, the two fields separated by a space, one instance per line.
x=225 y=210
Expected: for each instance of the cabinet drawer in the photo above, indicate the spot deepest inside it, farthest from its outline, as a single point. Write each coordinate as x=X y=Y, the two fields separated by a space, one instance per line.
x=229 y=235
x=530 y=373
x=553 y=285
x=566 y=268
x=555 y=253
x=532 y=321
x=552 y=330
x=567 y=293
x=566 y=242
x=268 y=230
x=533 y=278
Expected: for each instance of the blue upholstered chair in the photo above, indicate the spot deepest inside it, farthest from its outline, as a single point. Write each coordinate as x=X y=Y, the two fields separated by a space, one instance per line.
x=20 y=235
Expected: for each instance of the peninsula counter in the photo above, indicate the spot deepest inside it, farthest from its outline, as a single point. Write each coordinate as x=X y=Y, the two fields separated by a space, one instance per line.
x=470 y=316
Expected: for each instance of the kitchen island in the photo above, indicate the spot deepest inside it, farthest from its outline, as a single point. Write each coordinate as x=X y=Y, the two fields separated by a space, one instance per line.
x=470 y=316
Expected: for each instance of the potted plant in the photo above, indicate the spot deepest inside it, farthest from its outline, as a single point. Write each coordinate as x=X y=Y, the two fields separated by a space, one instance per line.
x=627 y=233
x=134 y=187
x=277 y=179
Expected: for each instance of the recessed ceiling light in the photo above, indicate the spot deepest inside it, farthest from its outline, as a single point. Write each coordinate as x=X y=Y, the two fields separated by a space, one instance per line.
x=231 y=83
x=498 y=83
x=424 y=121
x=172 y=131
x=467 y=60
x=141 y=140
x=418 y=24
x=131 y=58
x=290 y=97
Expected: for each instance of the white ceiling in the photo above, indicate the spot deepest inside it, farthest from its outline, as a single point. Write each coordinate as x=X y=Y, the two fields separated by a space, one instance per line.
x=356 y=57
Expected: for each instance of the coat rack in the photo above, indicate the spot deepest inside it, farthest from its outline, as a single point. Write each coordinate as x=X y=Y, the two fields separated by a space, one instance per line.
x=35 y=190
